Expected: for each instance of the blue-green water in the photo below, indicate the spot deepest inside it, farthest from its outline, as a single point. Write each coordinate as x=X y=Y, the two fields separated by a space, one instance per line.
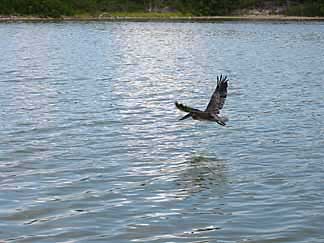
x=91 y=148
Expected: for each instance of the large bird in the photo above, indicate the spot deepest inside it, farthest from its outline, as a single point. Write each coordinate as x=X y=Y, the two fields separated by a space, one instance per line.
x=214 y=106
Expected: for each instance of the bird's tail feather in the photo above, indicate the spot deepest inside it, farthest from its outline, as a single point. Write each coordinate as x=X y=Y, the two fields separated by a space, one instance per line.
x=220 y=122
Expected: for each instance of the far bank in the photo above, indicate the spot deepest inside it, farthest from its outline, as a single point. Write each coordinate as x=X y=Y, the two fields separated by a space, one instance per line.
x=163 y=18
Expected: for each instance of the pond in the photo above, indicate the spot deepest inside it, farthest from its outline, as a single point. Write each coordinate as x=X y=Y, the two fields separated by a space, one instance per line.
x=92 y=149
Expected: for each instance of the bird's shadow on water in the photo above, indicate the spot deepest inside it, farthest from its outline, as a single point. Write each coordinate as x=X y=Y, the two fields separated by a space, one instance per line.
x=203 y=172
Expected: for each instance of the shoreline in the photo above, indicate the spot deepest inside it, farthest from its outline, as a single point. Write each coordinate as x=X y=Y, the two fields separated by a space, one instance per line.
x=161 y=18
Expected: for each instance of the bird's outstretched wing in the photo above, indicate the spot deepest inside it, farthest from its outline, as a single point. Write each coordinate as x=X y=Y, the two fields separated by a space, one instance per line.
x=217 y=100
x=185 y=108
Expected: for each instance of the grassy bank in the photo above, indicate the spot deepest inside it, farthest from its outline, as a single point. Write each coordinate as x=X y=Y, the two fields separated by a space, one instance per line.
x=159 y=8
x=161 y=17
x=142 y=15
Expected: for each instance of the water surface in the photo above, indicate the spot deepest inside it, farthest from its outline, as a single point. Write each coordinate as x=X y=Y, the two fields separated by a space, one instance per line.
x=91 y=149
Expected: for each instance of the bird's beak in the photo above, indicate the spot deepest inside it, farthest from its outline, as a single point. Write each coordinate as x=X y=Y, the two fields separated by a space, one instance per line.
x=185 y=117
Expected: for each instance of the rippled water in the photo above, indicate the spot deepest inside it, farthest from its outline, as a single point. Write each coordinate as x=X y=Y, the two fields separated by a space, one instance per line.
x=91 y=148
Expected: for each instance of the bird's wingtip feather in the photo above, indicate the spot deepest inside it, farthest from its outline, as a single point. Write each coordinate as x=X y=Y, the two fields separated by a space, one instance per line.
x=222 y=79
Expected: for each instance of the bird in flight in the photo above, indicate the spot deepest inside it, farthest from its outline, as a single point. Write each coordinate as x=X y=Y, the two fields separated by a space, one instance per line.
x=214 y=106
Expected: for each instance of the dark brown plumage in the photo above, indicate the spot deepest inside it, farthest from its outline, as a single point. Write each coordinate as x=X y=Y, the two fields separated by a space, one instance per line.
x=214 y=106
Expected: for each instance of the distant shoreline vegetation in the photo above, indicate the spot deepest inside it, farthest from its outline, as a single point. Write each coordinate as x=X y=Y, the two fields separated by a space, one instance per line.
x=160 y=8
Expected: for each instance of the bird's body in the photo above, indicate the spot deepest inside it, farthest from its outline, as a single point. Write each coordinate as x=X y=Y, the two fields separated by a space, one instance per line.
x=215 y=104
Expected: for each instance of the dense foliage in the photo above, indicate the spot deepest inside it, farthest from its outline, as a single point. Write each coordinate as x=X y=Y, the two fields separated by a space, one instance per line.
x=56 y=8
